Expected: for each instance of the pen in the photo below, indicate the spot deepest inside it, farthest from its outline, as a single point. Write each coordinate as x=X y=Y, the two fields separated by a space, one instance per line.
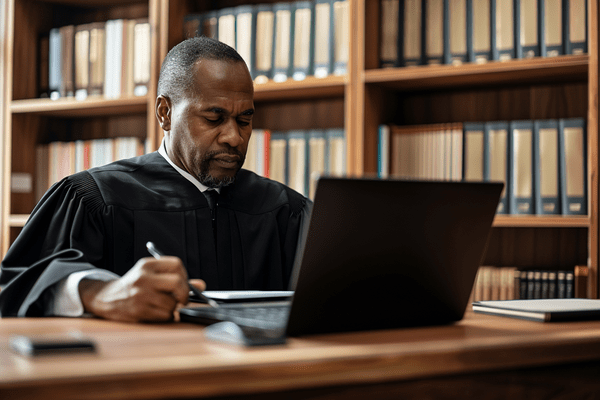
x=157 y=254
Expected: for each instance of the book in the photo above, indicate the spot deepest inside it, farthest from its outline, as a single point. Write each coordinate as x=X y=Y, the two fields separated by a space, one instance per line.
x=263 y=58
x=383 y=151
x=580 y=281
x=474 y=151
x=341 y=36
x=67 y=35
x=226 y=26
x=81 y=54
x=527 y=24
x=457 y=31
x=411 y=43
x=551 y=28
x=479 y=30
x=55 y=63
x=141 y=57
x=323 y=39
x=503 y=30
x=317 y=159
x=434 y=31
x=297 y=165
x=97 y=55
x=245 y=24
x=336 y=151
x=542 y=310
x=278 y=157
x=521 y=167
x=389 y=33
x=257 y=154
x=496 y=159
x=546 y=169
x=303 y=43
x=575 y=26
x=573 y=164
x=283 y=41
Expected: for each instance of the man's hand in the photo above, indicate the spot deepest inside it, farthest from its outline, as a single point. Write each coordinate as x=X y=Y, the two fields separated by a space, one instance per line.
x=150 y=291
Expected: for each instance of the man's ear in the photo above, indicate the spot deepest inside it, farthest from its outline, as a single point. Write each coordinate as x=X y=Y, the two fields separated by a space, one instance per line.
x=163 y=112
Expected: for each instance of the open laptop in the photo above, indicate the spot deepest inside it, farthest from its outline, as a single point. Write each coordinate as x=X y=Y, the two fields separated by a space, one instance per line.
x=378 y=254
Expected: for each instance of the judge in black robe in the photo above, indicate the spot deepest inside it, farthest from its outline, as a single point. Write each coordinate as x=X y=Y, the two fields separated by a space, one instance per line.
x=103 y=218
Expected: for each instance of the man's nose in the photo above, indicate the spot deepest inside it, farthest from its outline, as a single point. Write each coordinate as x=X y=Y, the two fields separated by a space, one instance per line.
x=230 y=134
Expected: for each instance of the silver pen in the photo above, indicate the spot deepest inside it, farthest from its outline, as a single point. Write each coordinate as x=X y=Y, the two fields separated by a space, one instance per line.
x=157 y=254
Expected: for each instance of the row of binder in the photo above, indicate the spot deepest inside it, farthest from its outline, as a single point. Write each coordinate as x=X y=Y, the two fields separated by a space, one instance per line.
x=56 y=160
x=543 y=163
x=508 y=283
x=421 y=32
x=282 y=40
x=297 y=158
x=109 y=58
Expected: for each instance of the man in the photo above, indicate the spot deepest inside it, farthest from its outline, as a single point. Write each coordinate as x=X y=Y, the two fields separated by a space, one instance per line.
x=83 y=248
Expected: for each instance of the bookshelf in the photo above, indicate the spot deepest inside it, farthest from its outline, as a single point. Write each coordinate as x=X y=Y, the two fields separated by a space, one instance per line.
x=359 y=101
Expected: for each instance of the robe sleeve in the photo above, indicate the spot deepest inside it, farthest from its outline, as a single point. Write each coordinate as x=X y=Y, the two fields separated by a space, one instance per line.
x=63 y=235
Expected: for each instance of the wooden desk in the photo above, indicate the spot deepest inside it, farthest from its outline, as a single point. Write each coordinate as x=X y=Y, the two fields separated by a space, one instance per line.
x=480 y=357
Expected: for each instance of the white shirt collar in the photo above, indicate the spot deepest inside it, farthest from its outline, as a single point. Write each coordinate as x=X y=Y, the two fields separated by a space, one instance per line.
x=163 y=152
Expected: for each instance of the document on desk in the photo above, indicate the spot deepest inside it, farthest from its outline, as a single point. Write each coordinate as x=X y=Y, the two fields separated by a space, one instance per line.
x=543 y=310
x=246 y=295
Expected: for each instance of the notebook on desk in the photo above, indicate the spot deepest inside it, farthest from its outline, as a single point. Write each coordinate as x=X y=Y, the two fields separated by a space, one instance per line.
x=380 y=254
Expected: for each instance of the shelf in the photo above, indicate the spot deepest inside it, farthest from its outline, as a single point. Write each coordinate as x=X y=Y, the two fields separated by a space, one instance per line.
x=528 y=71
x=69 y=107
x=330 y=86
x=538 y=221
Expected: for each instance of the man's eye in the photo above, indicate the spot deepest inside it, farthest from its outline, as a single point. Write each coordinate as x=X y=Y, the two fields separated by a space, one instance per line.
x=243 y=123
x=214 y=121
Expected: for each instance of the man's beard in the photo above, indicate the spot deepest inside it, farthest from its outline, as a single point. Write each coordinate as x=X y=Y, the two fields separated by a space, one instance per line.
x=212 y=182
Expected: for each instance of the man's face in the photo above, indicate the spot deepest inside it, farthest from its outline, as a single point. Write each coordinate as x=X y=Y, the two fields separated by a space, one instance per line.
x=211 y=125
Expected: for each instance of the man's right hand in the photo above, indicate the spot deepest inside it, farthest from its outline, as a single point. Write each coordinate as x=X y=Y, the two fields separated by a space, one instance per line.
x=150 y=291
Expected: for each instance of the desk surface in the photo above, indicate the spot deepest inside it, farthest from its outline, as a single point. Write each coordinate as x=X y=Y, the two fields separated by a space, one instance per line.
x=174 y=360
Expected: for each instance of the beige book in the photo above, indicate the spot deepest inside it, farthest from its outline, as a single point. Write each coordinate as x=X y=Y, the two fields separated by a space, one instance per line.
x=412 y=32
x=553 y=27
x=97 y=58
x=302 y=32
x=141 y=57
x=67 y=84
x=388 y=44
x=322 y=47
x=341 y=38
x=473 y=155
x=577 y=23
x=458 y=31
x=435 y=31
x=548 y=168
x=529 y=28
x=481 y=30
x=575 y=174
x=282 y=44
x=522 y=166
x=277 y=159
x=82 y=59
x=504 y=28
x=264 y=43
x=317 y=146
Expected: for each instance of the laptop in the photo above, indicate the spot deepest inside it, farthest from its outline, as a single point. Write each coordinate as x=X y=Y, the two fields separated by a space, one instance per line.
x=377 y=254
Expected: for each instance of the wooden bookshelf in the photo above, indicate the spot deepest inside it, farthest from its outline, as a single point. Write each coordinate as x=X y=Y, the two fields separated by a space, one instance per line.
x=359 y=101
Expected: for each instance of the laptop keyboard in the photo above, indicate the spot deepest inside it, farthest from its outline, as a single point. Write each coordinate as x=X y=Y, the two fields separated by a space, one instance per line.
x=272 y=316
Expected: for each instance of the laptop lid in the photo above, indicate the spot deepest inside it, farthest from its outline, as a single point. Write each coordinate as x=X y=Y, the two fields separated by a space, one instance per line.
x=384 y=254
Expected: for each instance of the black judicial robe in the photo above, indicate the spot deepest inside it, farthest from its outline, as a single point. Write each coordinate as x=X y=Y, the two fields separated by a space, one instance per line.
x=103 y=218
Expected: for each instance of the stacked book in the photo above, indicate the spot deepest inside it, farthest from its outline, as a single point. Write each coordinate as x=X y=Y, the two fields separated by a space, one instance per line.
x=511 y=283
x=297 y=158
x=110 y=59
x=282 y=40
x=56 y=160
x=543 y=163
x=423 y=32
